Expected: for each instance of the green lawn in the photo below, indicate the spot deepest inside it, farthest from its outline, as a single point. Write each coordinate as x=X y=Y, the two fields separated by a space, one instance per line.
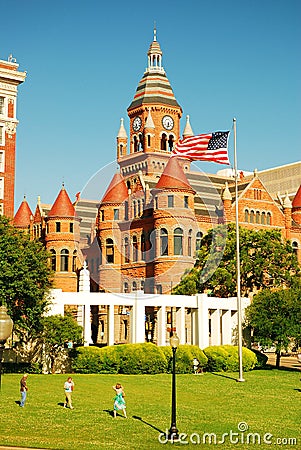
x=268 y=402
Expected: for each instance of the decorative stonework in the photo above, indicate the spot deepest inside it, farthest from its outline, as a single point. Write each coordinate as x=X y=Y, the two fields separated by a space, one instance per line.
x=11 y=128
x=8 y=87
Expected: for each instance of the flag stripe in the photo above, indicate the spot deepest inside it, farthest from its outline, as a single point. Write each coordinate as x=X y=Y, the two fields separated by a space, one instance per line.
x=204 y=147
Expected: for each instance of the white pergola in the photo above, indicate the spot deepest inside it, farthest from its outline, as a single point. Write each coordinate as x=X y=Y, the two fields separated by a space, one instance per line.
x=222 y=313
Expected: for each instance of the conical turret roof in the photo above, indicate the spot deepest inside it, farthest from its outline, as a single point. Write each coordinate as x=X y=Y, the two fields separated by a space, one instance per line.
x=173 y=177
x=297 y=199
x=62 y=207
x=24 y=215
x=117 y=191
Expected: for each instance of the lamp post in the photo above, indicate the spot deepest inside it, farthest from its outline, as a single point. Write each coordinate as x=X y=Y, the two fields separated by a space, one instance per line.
x=173 y=431
x=6 y=327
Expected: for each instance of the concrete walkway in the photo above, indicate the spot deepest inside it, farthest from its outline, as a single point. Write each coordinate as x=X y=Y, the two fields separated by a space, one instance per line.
x=290 y=362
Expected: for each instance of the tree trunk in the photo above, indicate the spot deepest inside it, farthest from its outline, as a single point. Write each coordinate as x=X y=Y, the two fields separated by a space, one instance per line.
x=278 y=356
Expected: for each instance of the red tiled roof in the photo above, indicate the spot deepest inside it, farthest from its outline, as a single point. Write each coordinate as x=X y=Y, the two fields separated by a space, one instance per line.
x=117 y=191
x=173 y=177
x=23 y=215
x=297 y=199
x=62 y=207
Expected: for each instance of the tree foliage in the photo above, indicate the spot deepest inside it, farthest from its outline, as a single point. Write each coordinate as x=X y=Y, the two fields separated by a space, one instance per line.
x=266 y=260
x=25 y=279
x=57 y=331
x=275 y=317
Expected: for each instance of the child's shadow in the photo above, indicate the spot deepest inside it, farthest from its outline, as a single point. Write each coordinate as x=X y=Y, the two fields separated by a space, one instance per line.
x=17 y=402
x=60 y=404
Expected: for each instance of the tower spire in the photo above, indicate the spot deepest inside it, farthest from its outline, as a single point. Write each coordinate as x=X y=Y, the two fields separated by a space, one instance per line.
x=155 y=32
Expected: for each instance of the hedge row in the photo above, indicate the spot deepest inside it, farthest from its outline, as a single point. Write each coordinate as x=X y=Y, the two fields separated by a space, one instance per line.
x=148 y=358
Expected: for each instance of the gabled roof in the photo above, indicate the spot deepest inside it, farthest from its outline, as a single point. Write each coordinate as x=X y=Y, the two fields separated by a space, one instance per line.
x=24 y=215
x=117 y=191
x=297 y=199
x=62 y=207
x=173 y=177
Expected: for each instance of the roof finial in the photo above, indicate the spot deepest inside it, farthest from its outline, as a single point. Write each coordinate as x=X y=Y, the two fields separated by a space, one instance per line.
x=155 y=31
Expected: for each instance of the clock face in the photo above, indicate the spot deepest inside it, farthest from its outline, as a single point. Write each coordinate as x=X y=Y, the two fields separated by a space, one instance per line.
x=137 y=122
x=167 y=122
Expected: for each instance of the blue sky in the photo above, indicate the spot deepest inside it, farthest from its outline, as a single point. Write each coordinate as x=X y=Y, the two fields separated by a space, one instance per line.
x=84 y=60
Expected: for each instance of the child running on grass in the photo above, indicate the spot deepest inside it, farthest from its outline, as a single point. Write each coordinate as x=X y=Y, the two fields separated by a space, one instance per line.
x=119 y=402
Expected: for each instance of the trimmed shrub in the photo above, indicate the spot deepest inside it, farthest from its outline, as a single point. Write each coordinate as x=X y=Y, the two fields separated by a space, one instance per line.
x=145 y=358
x=87 y=360
x=10 y=367
x=124 y=358
x=224 y=358
x=184 y=358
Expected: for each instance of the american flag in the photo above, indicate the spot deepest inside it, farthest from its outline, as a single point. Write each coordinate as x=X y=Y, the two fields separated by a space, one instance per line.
x=204 y=147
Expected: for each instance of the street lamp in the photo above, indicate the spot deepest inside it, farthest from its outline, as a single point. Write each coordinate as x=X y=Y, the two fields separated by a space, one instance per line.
x=173 y=431
x=6 y=327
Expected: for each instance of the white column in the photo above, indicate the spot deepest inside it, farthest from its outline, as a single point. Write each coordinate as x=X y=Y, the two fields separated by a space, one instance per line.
x=139 y=320
x=215 y=327
x=180 y=324
x=87 y=325
x=161 y=325
x=111 y=325
x=203 y=321
x=226 y=327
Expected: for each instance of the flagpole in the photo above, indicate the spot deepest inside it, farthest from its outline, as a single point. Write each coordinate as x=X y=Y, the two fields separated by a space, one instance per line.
x=239 y=315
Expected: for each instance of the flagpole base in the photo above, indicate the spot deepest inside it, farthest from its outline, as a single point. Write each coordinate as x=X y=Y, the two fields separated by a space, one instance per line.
x=240 y=380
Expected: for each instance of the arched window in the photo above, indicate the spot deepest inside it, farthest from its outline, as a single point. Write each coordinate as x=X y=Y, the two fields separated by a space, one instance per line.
x=53 y=259
x=178 y=241
x=148 y=140
x=142 y=285
x=135 y=249
x=295 y=247
x=126 y=210
x=110 y=251
x=252 y=215
x=140 y=141
x=134 y=208
x=121 y=150
x=74 y=258
x=164 y=142
x=198 y=240
x=136 y=144
x=143 y=247
x=134 y=286
x=139 y=207
x=64 y=260
x=263 y=218
x=246 y=215
x=126 y=250
x=257 y=217
x=269 y=218
x=170 y=142
x=151 y=244
x=163 y=242
x=126 y=287
x=189 y=242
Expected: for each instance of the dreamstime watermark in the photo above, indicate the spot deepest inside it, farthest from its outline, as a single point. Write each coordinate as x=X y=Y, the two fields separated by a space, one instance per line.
x=242 y=436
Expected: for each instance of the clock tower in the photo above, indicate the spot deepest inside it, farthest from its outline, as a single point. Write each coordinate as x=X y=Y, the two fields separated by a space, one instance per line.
x=154 y=116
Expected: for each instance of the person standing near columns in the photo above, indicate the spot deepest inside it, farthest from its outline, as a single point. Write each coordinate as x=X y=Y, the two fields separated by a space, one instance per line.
x=23 y=389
